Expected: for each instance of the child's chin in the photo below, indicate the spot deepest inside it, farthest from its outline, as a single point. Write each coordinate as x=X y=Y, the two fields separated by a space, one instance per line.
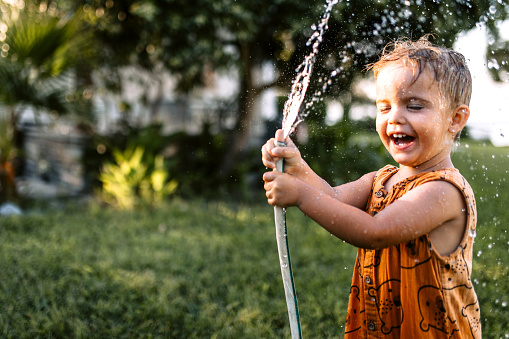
x=404 y=161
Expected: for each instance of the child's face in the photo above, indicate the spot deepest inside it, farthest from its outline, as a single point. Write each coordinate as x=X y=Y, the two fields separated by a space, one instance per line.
x=413 y=120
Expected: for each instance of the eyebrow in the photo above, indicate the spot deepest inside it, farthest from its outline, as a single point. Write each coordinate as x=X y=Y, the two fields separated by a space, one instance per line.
x=412 y=98
x=419 y=99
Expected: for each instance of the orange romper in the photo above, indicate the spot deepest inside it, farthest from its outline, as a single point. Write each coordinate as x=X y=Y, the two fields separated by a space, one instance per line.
x=409 y=290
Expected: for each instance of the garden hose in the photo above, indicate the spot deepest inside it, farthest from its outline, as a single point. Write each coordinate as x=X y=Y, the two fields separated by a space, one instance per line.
x=284 y=261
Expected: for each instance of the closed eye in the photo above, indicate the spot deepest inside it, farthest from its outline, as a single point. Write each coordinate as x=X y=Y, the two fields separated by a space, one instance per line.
x=384 y=109
x=415 y=107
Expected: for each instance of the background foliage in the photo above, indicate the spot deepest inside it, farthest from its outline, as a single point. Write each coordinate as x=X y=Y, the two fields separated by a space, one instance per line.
x=238 y=38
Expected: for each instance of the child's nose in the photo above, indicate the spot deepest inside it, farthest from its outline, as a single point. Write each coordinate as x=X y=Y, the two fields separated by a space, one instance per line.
x=396 y=115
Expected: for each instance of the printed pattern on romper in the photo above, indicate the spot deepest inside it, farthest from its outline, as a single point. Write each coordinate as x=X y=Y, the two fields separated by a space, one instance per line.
x=409 y=289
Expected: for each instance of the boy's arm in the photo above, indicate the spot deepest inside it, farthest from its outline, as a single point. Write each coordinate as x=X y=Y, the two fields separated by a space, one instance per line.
x=356 y=193
x=427 y=208
x=434 y=206
x=353 y=193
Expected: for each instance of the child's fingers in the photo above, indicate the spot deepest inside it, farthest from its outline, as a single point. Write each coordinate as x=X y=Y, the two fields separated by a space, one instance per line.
x=280 y=135
x=290 y=143
x=272 y=153
x=268 y=158
x=270 y=186
x=284 y=152
x=280 y=189
x=290 y=154
x=281 y=138
x=269 y=176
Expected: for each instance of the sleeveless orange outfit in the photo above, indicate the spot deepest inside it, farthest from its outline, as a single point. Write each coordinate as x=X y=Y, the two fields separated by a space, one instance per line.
x=410 y=290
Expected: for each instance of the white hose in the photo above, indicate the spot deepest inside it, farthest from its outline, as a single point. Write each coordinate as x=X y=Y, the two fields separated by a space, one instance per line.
x=284 y=261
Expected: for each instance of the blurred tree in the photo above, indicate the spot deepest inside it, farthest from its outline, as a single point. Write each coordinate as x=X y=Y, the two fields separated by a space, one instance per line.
x=37 y=54
x=192 y=39
x=38 y=51
x=498 y=60
x=359 y=31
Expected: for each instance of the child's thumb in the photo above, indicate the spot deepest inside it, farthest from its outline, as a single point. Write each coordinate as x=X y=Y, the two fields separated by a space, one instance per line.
x=280 y=136
x=268 y=176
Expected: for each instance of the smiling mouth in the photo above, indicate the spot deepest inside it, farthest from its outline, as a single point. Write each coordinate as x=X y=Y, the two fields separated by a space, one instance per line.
x=402 y=140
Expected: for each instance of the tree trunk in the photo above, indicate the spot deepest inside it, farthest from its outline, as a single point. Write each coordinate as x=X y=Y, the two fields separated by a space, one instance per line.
x=157 y=102
x=7 y=170
x=238 y=139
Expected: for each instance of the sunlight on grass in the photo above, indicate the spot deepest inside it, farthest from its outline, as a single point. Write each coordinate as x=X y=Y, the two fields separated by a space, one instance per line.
x=134 y=279
x=196 y=269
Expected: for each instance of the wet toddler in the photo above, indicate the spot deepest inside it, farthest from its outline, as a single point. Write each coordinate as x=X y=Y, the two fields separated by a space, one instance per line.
x=414 y=225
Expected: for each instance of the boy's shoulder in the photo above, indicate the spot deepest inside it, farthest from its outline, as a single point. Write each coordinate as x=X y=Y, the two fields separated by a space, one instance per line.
x=442 y=180
x=451 y=175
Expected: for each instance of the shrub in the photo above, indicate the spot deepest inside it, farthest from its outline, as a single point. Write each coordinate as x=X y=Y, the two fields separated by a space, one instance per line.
x=130 y=182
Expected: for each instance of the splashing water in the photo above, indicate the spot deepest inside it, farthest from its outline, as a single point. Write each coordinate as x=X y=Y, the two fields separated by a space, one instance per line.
x=291 y=116
x=394 y=19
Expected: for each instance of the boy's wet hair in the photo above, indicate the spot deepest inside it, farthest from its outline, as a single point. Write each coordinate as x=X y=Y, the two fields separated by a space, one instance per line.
x=449 y=67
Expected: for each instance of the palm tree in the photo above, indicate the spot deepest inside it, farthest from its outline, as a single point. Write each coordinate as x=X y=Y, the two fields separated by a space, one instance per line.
x=38 y=57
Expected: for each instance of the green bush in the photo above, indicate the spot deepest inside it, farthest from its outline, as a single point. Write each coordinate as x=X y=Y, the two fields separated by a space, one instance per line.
x=130 y=182
x=194 y=161
x=100 y=150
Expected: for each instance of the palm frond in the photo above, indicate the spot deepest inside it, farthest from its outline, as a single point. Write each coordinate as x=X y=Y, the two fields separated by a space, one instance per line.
x=48 y=44
x=42 y=54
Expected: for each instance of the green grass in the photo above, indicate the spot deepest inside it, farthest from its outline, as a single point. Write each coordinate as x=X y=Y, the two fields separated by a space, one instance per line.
x=487 y=168
x=190 y=270
x=210 y=270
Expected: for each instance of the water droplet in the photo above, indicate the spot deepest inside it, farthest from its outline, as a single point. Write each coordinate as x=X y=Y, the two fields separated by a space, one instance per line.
x=284 y=265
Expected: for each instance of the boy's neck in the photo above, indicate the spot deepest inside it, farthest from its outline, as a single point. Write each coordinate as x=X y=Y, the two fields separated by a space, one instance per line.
x=427 y=166
x=409 y=171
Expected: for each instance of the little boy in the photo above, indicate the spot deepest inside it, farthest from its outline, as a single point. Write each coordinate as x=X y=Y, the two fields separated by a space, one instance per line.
x=414 y=224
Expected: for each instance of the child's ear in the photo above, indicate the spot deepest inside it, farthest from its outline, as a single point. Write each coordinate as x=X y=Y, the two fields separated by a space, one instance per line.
x=459 y=119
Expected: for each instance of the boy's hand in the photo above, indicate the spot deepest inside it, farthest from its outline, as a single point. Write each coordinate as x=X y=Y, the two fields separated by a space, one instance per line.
x=271 y=154
x=281 y=189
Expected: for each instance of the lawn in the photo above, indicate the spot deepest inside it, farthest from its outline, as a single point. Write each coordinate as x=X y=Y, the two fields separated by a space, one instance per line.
x=196 y=269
